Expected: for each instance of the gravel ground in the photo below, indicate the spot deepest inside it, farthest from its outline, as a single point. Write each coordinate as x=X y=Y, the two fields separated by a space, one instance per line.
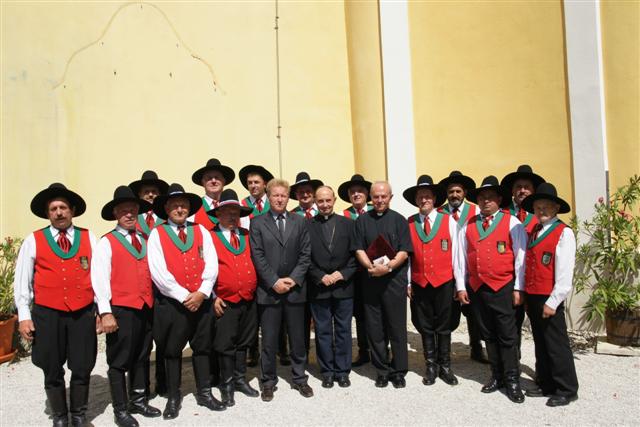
x=609 y=394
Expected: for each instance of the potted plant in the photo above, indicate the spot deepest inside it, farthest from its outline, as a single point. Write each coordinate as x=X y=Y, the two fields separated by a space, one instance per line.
x=607 y=263
x=8 y=254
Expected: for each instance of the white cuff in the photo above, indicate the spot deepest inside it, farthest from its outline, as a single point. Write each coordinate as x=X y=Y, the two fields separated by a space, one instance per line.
x=24 y=313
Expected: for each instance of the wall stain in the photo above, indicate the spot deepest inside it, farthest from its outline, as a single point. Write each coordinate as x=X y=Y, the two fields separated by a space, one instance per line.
x=194 y=55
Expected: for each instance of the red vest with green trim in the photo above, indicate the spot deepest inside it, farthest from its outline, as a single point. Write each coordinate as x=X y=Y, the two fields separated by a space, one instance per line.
x=130 y=277
x=541 y=261
x=237 y=278
x=255 y=212
x=63 y=284
x=352 y=214
x=141 y=225
x=529 y=222
x=490 y=260
x=431 y=262
x=205 y=220
x=298 y=210
x=463 y=219
x=186 y=267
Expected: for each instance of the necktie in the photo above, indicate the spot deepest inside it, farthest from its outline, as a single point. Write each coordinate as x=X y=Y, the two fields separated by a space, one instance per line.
x=181 y=234
x=536 y=230
x=485 y=222
x=235 y=242
x=135 y=241
x=522 y=215
x=150 y=220
x=214 y=204
x=427 y=226
x=455 y=214
x=63 y=242
x=307 y=213
x=361 y=212
x=259 y=204
x=280 y=223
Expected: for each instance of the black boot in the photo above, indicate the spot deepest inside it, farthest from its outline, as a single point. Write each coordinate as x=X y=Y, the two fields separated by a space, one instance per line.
x=118 y=388
x=227 y=368
x=79 y=397
x=226 y=394
x=206 y=399
x=58 y=402
x=429 y=343
x=173 y=377
x=512 y=383
x=139 y=404
x=214 y=369
x=444 y=359
x=496 y=382
x=201 y=364
x=475 y=342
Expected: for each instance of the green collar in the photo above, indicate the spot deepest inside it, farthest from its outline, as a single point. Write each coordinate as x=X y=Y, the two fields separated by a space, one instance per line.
x=420 y=229
x=228 y=245
x=497 y=217
x=207 y=208
x=129 y=247
x=255 y=211
x=143 y=224
x=56 y=248
x=527 y=219
x=541 y=237
x=184 y=247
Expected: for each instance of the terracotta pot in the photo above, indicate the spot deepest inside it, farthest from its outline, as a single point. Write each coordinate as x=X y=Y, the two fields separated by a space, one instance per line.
x=623 y=327
x=7 y=328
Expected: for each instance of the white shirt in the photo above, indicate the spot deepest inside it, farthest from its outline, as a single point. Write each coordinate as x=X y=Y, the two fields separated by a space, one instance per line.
x=565 y=260
x=165 y=281
x=519 y=245
x=101 y=271
x=23 y=280
x=227 y=233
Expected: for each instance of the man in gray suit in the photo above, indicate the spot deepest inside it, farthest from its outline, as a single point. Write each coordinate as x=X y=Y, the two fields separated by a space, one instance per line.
x=280 y=249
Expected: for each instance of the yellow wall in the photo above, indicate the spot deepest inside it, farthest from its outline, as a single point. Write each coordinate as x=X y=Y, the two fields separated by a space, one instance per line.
x=621 y=62
x=138 y=99
x=489 y=89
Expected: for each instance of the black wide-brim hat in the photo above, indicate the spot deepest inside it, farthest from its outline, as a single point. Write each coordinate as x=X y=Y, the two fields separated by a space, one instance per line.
x=425 y=181
x=40 y=202
x=303 y=179
x=490 y=183
x=523 y=172
x=547 y=191
x=456 y=177
x=123 y=194
x=176 y=190
x=357 y=179
x=254 y=170
x=149 y=178
x=214 y=165
x=230 y=198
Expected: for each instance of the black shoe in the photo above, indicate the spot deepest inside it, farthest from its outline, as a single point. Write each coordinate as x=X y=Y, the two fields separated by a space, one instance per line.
x=79 y=397
x=430 y=374
x=58 y=402
x=60 y=421
x=344 y=382
x=267 y=393
x=138 y=404
x=363 y=359
x=398 y=382
x=514 y=392
x=172 y=409
x=252 y=358
x=244 y=388
x=226 y=395
x=493 y=385
x=447 y=376
x=535 y=392
x=327 y=382
x=123 y=419
x=304 y=389
x=285 y=360
x=206 y=399
x=382 y=381
x=478 y=354
x=557 y=400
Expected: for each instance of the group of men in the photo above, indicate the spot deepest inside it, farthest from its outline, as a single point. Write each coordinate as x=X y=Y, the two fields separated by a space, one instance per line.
x=214 y=270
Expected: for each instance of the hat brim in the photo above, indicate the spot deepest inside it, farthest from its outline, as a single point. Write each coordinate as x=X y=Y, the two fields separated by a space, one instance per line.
x=136 y=186
x=228 y=174
x=107 y=210
x=244 y=210
x=527 y=203
x=508 y=181
x=472 y=195
x=40 y=202
x=314 y=183
x=343 y=189
x=467 y=182
x=253 y=170
x=410 y=194
x=195 y=202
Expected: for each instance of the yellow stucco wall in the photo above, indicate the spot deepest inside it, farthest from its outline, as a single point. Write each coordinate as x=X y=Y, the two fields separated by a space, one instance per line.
x=620 y=23
x=139 y=97
x=489 y=89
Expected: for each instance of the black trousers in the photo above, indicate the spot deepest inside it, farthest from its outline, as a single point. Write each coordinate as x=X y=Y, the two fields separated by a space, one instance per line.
x=555 y=369
x=332 y=318
x=235 y=332
x=179 y=326
x=159 y=325
x=385 y=307
x=457 y=310
x=358 y=311
x=129 y=347
x=271 y=321
x=431 y=308
x=495 y=315
x=64 y=337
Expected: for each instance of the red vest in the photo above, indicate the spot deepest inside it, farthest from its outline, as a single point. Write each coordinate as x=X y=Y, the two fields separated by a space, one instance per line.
x=255 y=212
x=490 y=260
x=205 y=220
x=541 y=261
x=59 y=283
x=530 y=222
x=431 y=261
x=141 y=225
x=130 y=276
x=237 y=279
x=466 y=212
x=187 y=266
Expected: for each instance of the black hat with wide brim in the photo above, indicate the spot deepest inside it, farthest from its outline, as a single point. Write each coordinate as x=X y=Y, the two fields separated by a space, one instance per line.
x=123 y=194
x=545 y=191
x=176 y=190
x=230 y=198
x=149 y=178
x=303 y=179
x=40 y=202
x=214 y=165
x=490 y=183
x=357 y=179
x=456 y=177
x=523 y=172
x=254 y=170
x=425 y=181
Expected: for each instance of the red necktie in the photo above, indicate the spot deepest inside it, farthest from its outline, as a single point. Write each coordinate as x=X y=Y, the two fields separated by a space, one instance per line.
x=455 y=214
x=485 y=222
x=63 y=242
x=522 y=215
x=150 y=220
x=536 y=230
x=181 y=234
x=135 y=241
x=307 y=213
x=259 y=204
x=361 y=212
x=427 y=226
x=235 y=242
x=214 y=204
